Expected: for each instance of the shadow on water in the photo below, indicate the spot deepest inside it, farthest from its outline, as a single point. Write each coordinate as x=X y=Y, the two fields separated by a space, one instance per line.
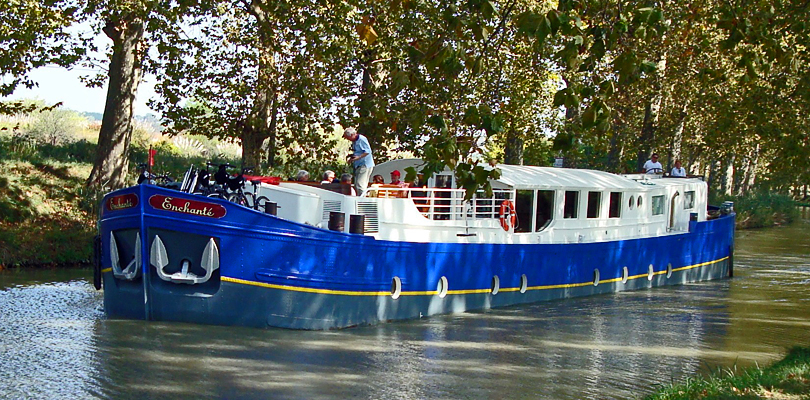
x=55 y=342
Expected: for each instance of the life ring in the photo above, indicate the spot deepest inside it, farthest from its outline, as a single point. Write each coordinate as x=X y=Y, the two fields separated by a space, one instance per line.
x=508 y=215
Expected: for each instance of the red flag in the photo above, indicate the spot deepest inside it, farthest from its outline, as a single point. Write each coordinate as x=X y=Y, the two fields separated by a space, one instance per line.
x=152 y=153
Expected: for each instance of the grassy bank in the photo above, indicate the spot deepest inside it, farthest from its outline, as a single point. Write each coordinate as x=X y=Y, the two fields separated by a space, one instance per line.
x=47 y=215
x=44 y=222
x=788 y=379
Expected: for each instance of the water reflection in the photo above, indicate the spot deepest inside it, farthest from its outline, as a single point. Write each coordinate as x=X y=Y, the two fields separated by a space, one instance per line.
x=54 y=342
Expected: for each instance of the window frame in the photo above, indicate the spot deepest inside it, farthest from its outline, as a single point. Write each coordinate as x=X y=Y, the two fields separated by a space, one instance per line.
x=661 y=200
x=597 y=204
x=552 y=206
x=575 y=203
x=617 y=205
x=690 y=203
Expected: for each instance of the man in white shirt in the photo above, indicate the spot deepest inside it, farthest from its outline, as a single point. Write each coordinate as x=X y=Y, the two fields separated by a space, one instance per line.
x=652 y=166
x=678 y=170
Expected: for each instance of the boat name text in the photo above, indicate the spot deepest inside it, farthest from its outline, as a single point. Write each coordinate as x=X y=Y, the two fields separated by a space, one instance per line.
x=121 y=202
x=185 y=206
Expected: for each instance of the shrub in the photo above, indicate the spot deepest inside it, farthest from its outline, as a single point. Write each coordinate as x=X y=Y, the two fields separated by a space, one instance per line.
x=55 y=127
x=762 y=209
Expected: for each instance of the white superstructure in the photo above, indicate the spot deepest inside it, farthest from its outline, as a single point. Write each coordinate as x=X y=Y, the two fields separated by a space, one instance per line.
x=552 y=205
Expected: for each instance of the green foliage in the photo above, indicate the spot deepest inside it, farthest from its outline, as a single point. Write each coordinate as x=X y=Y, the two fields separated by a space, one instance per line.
x=761 y=209
x=705 y=82
x=54 y=127
x=786 y=379
x=34 y=34
x=27 y=149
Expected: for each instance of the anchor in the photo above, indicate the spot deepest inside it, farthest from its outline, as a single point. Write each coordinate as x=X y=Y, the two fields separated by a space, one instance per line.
x=131 y=271
x=160 y=259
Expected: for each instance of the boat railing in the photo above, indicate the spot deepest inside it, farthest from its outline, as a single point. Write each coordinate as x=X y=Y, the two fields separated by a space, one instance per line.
x=449 y=204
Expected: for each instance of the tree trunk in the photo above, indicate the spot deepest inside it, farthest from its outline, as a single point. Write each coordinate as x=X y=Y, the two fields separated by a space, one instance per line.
x=648 y=129
x=261 y=123
x=370 y=125
x=616 y=146
x=272 y=148
x=727 y=180
x=652 y=110
x=677 y=137
x=112 y=153
x=513 y=151
x=750 y=172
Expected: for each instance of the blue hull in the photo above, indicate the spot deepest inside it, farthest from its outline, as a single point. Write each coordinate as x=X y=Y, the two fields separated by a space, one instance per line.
x=279 y=273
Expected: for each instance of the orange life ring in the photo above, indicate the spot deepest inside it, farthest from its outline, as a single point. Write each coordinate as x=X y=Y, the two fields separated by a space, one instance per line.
x=508 y=215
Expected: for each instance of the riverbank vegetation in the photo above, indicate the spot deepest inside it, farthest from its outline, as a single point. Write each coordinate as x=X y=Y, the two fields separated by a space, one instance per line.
x=762 y=209
x=788 y=379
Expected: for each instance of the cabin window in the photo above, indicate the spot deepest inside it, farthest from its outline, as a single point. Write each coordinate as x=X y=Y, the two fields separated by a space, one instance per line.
x=571 y=204
x=638 y=202
x=631 y=202
x=545 y=209
x=657 y=205
x=689 y=200
x=594 y=204
x=615 y=209
x=523 y=208
x=443 y=209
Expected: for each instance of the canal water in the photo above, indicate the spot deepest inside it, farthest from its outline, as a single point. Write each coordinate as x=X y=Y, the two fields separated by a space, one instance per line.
x=55 y=342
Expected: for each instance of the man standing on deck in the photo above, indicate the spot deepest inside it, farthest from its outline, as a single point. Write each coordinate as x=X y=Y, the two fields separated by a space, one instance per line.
x=361 y=159
x=652 y=166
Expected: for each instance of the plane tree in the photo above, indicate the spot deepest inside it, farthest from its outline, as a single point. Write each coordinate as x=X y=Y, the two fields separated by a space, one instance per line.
x=133 y=26
x=261 y=72
x=35 y=34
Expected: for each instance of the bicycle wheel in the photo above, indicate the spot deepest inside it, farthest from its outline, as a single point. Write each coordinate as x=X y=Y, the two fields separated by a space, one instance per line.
x=260 y=202
x=238 y=198
x=216 y=195
x=251 y=200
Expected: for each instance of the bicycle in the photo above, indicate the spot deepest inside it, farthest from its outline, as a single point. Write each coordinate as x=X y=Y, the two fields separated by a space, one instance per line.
x=237 y=187
x=259 y=202
x=230 y=188
x=147 y=177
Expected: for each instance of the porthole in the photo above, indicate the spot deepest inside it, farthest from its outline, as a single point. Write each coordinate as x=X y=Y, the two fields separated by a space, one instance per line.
x=669 y=271
x=496 y=285
x=625 y=274
x=631 y=203
x=595 y=277
x=441 y=288
x=396 y=287
x=524 y=283
x=638 y=202
x=650 y=272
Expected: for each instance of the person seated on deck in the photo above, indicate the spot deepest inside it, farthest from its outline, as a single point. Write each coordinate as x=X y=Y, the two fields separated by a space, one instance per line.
x=328 y=177
x=678 y=171
x=395 y=181
x=302 y=176
x=395 y=175
x=346 y=179
x=376 y=182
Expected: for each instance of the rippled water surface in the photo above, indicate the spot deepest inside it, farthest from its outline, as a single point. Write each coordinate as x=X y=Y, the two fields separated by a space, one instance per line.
x=56 y=343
